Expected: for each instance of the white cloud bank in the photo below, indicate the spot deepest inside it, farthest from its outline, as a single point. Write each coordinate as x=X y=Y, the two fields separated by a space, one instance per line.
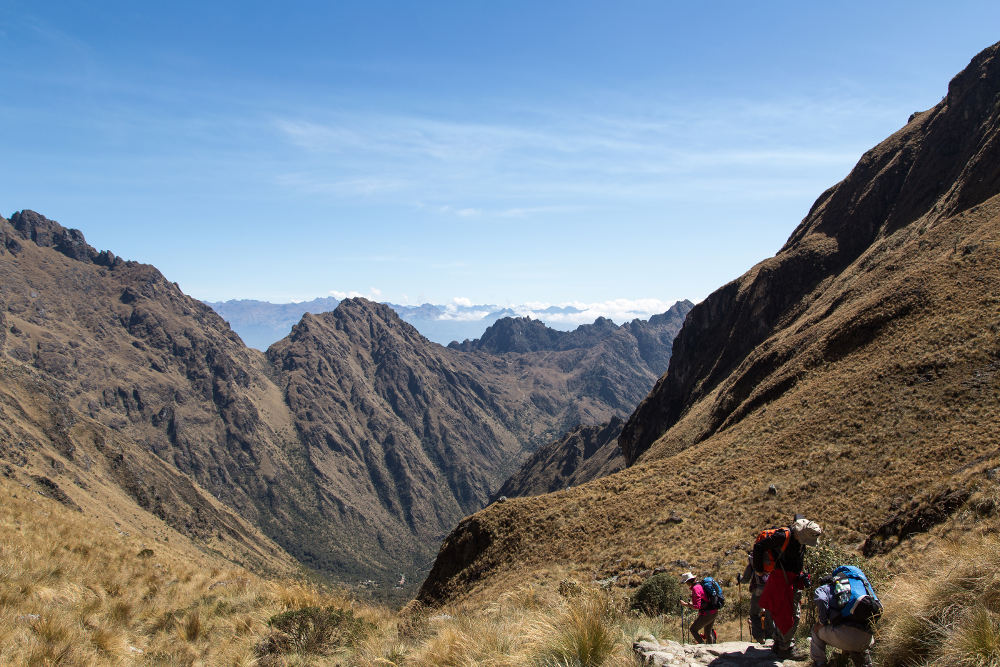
x=579 y=312
x=373 y=294
x=558 y=315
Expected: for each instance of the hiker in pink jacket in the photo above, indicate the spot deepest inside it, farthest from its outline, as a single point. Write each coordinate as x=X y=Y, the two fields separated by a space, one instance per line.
x=706 y=617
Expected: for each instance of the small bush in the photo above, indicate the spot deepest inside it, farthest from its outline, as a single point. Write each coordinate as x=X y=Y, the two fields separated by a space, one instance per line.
x=192 y=629
x=660 y=594
x=312 y=630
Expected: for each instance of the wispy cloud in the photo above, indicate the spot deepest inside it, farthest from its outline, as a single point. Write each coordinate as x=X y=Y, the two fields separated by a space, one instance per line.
x=554 y=160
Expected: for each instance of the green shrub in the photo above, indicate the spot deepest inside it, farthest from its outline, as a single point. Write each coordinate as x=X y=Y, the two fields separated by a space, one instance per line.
x=660 y=594
x=312 y=630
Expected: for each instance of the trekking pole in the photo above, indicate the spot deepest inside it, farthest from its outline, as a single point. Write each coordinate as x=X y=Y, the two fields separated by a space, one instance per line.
x=682 y=626
x=739 y=588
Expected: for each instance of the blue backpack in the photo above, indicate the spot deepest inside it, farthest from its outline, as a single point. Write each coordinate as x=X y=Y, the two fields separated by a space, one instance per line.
x=854 y=598
x=714 y=597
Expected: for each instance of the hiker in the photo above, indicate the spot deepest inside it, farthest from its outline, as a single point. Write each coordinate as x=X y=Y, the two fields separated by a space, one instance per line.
x=707 y=612
x=761 y=624
x=779 y=554
x=847 y=609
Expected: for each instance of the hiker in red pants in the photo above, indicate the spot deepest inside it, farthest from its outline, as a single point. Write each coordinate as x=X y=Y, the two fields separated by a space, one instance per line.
x=780 y=555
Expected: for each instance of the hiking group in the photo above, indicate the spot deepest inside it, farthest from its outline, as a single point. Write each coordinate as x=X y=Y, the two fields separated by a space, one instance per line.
x=847 y=607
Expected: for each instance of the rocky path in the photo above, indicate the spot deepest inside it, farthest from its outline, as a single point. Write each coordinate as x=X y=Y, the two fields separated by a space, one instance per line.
x=726 y=654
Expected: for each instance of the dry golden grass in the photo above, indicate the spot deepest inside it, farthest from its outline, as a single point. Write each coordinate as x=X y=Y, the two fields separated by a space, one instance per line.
x=75 y=591
x=949 y=614
x=530 y=626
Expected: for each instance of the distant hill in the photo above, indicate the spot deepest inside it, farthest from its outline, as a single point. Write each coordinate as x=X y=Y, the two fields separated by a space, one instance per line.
x=261 y=323
x=353 y=445
x=857 y=371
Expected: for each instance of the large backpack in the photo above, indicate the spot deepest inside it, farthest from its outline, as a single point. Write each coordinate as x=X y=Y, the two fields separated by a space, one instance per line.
x=854 y=598
x=770 y=560
x=714 y=597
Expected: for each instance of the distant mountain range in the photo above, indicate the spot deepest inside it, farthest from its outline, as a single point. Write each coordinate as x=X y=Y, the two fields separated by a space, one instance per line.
x=262 y=323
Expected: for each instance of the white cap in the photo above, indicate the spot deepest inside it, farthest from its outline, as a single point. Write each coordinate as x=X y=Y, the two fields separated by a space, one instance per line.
x=686 y=577
x=806 y=532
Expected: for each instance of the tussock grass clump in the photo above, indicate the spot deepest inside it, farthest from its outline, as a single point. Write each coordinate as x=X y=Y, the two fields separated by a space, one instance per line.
x=313 y=630
x=948 y=615
x=583 y=635
x=529 y=625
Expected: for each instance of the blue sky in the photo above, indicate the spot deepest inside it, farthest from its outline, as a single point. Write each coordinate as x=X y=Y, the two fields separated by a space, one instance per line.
x=514 y=152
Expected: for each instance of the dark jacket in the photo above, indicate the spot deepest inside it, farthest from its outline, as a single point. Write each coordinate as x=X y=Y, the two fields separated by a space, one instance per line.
x=791 y=560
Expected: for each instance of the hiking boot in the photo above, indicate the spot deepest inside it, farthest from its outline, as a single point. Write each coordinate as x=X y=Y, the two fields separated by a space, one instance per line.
x=789 y=653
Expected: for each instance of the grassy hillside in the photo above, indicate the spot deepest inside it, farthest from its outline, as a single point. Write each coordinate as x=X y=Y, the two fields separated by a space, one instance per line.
x=856 y=372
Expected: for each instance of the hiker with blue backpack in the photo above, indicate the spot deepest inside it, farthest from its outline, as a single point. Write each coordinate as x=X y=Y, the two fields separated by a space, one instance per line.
x=707 y=597
x=847 y=609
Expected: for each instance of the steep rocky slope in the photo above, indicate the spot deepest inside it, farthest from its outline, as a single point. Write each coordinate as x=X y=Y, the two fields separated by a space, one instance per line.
x=404 y=437
x=172 y=398
x=857 y=371
x=355 y=444
x=584 y=454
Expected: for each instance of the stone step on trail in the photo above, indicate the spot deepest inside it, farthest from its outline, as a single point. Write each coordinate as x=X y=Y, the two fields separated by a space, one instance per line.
x=725 y=654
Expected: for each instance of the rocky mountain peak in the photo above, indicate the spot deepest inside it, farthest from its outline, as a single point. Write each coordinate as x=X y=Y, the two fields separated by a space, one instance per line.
x=512 y=334
x=45 y=233
x=359 y=320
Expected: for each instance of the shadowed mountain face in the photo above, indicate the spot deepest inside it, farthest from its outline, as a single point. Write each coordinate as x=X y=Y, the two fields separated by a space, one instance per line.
x=945 y=161
x=856 y=371
x=584 y=454
x=354 y=443
x=523 y=334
